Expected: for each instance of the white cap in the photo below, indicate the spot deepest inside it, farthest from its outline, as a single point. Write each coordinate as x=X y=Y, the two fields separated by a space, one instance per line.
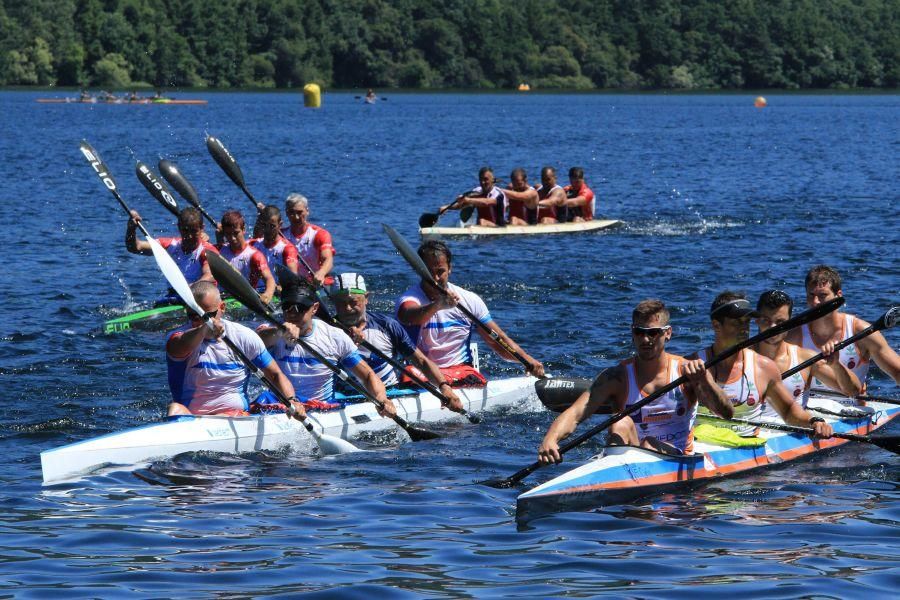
x=349 y=283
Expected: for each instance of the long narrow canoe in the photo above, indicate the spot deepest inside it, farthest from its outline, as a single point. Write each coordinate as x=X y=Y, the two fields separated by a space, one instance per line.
x=479 y=230
x=620 y=474
x=125 y=101
x=158 y=317
x=134 y=447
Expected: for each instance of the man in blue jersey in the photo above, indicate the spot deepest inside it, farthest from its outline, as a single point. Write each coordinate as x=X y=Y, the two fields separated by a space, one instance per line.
x=442 y=331
x=384 y=332
x=205 y=376
x=312 y=380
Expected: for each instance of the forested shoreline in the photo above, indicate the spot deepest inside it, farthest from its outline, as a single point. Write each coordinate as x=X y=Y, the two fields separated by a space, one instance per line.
x=462 y=44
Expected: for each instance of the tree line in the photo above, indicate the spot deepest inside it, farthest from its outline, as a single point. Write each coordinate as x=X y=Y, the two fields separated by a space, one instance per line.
x=428 y=44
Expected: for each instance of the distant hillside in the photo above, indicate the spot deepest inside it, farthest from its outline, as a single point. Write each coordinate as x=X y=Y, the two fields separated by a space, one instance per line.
x=484 y=44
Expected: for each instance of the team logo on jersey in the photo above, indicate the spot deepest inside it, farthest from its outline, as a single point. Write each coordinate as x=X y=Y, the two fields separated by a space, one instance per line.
x=751 y=400
x=797 y=392
x=851 y=363
x=680 y=410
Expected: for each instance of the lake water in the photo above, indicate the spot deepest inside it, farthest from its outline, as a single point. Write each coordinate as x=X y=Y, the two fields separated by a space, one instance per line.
x=715 y=194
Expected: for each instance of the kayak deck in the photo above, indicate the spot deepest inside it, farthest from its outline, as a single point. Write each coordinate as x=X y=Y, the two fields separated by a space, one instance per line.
x=133 y=447
x=125 y=101
x=158 y=317
x=622 y=473
x=479 y=230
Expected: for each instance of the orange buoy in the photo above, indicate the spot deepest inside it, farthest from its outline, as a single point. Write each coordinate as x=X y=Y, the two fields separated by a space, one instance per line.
x=760 y=102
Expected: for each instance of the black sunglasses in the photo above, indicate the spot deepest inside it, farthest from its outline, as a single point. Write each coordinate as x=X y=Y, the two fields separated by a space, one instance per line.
x=205 y=316
x=651 y=332
x=294 y=308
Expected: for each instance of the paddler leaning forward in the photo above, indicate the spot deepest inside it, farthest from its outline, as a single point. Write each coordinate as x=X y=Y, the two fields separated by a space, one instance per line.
x=666 y=424
x=751 y=381
x=205 y=377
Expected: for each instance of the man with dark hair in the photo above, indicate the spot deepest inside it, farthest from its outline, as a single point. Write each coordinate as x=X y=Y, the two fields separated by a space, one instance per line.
x=244 y=257
x=667 y=423
x=188 y=251
x=579 y=197
x=273 y=245
x=551 y=198
x=522 y=197
x=774 y=307
x=351 y=299
x=441 y=330
x=487 y=198
x=205 y=377
x=823 y=283
x=750 y=380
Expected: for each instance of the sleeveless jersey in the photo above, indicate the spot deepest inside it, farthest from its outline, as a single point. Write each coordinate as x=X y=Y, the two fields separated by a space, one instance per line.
x=310 y=245
x=281 y=253
x=850 y=357
x=250 y=262
x=669 y=418
x=796 y=384
x=496 y=212
x=743 y=393
x=546 y=211
x=191 y=263
x=586 y=212
x=212 y=379
x=518 y=209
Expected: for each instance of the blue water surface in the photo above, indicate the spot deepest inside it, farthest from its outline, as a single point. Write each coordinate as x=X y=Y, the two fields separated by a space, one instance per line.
x=714 y=193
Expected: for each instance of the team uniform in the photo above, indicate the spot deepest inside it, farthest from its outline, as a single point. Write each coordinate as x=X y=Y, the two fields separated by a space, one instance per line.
x=496 y=212
x=669 y=418
x=189 y=263
x=282 y=252
x=445 y=337
x=250 y=262
x=212 y=379
x=312 y=380
x=796 y=384
x=586 y=212
x=743 y=393
x=518 y=209
x=848 y=356
x=388 y=336
x=546 y=211
x=310 y=245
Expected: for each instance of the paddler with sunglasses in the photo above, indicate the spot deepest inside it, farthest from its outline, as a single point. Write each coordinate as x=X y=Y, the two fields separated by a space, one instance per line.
x=664 y=425
x=751 y=381
x=312 y=380
x=774 y=308
x=205 y=376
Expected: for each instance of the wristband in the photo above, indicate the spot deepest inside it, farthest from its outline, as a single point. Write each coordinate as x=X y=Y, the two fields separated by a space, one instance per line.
x=814 y=420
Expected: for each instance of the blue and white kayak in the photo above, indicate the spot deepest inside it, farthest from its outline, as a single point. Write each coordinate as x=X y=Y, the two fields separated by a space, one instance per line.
x=620 y=474
x=131 y=448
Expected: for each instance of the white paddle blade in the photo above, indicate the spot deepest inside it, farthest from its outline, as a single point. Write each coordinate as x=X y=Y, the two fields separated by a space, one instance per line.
x=175 y=277
x=329 y=444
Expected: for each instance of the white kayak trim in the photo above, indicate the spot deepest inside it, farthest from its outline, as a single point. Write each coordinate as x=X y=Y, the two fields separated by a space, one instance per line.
x=131 y=448
x=479 y=230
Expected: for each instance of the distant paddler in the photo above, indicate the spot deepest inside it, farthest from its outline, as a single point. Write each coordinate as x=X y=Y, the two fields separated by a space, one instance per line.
x=665 y=424
x=274 y=246
x=442 y=330
x=522 y=198
x=486 y=197
x=205 y=378
x=551 y=198
x=751 y=381
x=188 y=251
x=313 y=243
x=579 y=197
x=774 y=307
x=351 y=299
x=824 y=283
x=313 y=381
x=244 y=257
x=370 y=96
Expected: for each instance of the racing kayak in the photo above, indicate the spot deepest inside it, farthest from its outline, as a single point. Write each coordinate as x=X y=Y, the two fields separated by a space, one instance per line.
x=620 y=474
x=134 y=447
x=141 y=101
x=479 y=230
x=158 y=317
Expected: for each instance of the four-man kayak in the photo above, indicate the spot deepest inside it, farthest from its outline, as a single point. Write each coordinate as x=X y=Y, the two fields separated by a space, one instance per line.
x=540 y=229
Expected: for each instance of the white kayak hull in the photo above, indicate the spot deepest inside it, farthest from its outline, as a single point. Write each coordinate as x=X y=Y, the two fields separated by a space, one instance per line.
x=479 y=230
x=141 y=445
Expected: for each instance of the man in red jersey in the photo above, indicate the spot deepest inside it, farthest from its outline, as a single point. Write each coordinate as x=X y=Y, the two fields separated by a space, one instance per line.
x=273 y=245
x=244 y=257
x=523 y=199
x=551 y=197
x=312 y=242
x=579 y=197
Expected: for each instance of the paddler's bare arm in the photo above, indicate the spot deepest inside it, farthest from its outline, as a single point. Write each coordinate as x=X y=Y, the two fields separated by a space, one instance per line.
x=273 y=373
x=790 y=411
x=534 y=366
x=411 y=313
x=180 y=346
x=876 y=348
x=702 y=388
x=434 y=375
x=605 y=391
x=831 y=372
x=375 y=386
x=326 y=264
x=132 y=243
x=555 y=198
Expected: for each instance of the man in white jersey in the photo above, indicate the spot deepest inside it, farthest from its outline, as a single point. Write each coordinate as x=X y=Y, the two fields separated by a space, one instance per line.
x=487 y=198
x=667 y=423
x=312 y=380
x=751 y=380
x=823 y=283
x=351 y=299
x=243 y=256
x=188 y=251
x=205 y=376
x=774 y=308
x=313 y=242
x=441 y=330
x=273 y=245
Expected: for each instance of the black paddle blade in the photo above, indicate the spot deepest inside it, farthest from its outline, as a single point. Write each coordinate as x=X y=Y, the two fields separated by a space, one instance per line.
x=157 y=188
x=558 y=394
x=417 y=434
x=891 y=443
x=428 y=220
x=406 y=251
x=234 y=283
x=473 y=419
x=466 y=213
x=170 y=173
x=224 y=159
x=287 y=277
x=891 y=317
x=500 y=484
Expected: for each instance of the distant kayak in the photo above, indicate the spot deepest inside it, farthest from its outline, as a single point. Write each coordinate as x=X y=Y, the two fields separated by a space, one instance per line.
x=142 y=101
x=479 y=230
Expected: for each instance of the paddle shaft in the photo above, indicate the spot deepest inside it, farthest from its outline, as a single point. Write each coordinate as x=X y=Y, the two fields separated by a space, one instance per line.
x=855 y=437
x=432 y=389
x=864 y=397
x=805 y=317
x=876 y=326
